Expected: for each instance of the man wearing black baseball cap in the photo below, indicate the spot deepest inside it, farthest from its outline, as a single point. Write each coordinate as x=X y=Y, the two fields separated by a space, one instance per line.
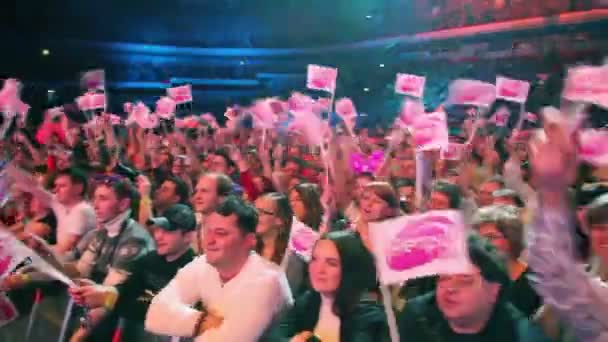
x=173 y=233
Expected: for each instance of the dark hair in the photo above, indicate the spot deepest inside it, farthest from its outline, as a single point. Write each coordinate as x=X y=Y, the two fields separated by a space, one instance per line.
x=247 y=216
x=491 y=264
x=358 y=270
x=367 y=175
x=285 y=214
x=386 y=192
x=222 y=152
x=597 y=212
x=451 y=191
x=401 y=182
x=181 y=188
x=311 y=198
x=224 y=185
x=508 y=223
x=76 y=175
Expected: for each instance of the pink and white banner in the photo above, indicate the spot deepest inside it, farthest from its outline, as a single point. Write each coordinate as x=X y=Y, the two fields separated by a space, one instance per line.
x=410 y=85
x=321 y=78
x=302 y=239
x=413 y=246
x=593 y=146
x=588 y=84
x=471 y=92
x=91 y=101
x=512 y=90
x=181 y=94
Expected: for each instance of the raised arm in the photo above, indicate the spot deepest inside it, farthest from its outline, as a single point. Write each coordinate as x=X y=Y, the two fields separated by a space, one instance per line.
x=576 y=298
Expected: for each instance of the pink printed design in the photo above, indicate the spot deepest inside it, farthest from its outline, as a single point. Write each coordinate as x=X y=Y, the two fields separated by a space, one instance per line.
x=321 y=78
x=593 y=146
x=420 y=242
x=587 y=84
x=512 y=90
x=361 y=163
x=181 y=94
x=471 y=92
x=165 y=107
x=411 y=85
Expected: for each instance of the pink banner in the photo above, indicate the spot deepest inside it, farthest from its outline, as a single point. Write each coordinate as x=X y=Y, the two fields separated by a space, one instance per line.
x=321 y=78
x=411 y=85
x=181 y=94
x=512 y=90
x=587 y=84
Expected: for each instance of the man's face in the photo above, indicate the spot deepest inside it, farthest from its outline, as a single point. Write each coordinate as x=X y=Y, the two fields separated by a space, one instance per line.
x=171 y=242
x=439 y=201
x=205 y=198
x=224 y=243
x=484 y=196
x=218 y=164
x=373 y=208
x=65 y=190
x=466 y=298
x=165 y=195
x=107 y=206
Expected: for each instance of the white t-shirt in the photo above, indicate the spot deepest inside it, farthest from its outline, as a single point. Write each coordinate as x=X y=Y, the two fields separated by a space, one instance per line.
x=77 y=220
x=248 y=303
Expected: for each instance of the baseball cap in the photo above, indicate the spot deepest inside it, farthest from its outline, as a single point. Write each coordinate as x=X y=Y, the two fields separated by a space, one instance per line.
x=176 y=217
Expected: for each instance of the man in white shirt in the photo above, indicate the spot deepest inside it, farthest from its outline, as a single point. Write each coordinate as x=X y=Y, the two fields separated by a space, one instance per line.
x=75 y=217
x=240 y=292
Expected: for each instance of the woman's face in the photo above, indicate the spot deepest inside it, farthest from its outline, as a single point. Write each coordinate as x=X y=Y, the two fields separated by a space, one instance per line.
x=360 y=183
x=297 y=205
x=325 y=268
x=373 y=208
x=267 y=211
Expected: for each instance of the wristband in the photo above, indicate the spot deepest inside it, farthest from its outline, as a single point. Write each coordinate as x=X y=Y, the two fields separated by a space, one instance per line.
x=110 y=300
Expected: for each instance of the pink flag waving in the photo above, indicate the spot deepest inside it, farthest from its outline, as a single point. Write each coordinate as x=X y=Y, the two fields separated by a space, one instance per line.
x=15 y=251
x=91 y=101
x=413 y=246
x=299 y=102
x=512 y=90
x=302 y=239
x=430 y=132
x=587 y=84
x=181 y=94
x=264 y=113
x=411 y=85
x=471 y=92
x=321 y=78
x=593 y=147
x=10 y=102
x=165 y=107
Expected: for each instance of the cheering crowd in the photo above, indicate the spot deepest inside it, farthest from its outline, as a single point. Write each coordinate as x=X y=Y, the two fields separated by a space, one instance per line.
x=183 y=229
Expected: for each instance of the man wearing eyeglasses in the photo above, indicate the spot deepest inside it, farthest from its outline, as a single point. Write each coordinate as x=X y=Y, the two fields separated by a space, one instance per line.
x=469 y=307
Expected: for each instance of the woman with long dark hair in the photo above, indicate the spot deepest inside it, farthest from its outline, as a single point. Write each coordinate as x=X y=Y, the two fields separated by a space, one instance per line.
x=341 y=270
x=273 y=229
x=305 y=200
